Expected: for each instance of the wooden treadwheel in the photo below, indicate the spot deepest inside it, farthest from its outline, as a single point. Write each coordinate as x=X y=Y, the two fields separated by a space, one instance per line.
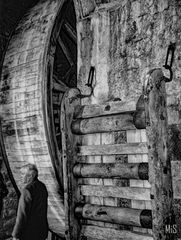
x=39 y=66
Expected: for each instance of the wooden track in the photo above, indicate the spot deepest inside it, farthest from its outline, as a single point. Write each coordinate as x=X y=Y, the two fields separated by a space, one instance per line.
x=28 y=128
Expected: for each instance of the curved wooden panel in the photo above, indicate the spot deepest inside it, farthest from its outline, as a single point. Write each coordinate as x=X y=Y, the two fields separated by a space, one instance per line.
x=24 y=97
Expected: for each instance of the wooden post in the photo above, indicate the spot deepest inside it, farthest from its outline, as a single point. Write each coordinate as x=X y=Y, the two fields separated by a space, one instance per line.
x=69 y=145
x=159 y=161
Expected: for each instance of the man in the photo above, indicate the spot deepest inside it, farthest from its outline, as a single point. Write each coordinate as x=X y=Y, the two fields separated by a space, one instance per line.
x=31 y=221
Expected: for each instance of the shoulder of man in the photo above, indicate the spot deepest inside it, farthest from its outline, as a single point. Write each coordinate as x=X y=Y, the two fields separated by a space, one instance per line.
x=42 y=185
x=35 y=184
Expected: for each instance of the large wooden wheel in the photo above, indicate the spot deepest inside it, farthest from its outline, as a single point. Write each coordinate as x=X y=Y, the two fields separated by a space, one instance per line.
x=39 y=66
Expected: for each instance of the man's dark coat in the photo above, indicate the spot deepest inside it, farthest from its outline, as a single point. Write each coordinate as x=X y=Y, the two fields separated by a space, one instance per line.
x=31 y=221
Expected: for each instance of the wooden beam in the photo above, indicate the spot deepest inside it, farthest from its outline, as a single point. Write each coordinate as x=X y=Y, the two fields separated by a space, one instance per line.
x=70 y=31
x=112 y=170
x=101 y=233
x=103 y=124
x=109 y=149
x=69 y=156
x=89 y=111
x=59 y=86
x=160 y=176
x=125 y=216
x=65 y=51
x=118 y=192
x=69 y=73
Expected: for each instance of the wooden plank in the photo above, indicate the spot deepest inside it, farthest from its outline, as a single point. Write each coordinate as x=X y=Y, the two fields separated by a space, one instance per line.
x=88 y=111
x=28 y=55
x=110 y=214
x=158 y=156
x=103 y=124
x=113 y=234
x=109 y=149
x=112 y=170
x=135 y=193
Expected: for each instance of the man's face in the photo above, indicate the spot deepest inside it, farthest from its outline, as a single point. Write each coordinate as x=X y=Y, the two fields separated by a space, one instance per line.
x=24 y=172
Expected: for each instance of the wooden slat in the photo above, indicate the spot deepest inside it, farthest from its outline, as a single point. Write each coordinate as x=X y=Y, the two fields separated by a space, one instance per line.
x=103 y=124
x=113 y=234
x=117 y=192
x=88 y=111
x=112 y=170
x=113 y=214
x=109 y=149
x=135 y=136
x=93 y=139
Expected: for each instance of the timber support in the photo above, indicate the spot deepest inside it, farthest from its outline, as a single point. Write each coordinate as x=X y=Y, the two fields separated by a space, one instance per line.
x=149 y=113
x=160 y=176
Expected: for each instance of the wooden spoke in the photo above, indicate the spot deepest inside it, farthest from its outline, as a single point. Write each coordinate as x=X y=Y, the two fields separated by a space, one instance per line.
x=69 y=74
x=69 y=30
x=59 y=86
x=65 y=51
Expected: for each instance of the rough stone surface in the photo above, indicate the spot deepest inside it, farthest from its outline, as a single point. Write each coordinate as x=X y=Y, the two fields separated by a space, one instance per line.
x=10 y=203
x=139 y=43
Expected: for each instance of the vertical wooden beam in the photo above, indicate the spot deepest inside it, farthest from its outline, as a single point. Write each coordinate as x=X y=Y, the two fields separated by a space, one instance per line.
x=159 y=160
x=69 y=145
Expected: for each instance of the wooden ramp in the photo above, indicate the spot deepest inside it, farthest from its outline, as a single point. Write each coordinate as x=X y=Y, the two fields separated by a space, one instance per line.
x=94 y=167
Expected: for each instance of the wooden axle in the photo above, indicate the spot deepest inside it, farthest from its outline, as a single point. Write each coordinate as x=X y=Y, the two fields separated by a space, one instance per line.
x=103 y=124
x=110 y=117
x=112 y=170
x=110 y=108
x=125 y=216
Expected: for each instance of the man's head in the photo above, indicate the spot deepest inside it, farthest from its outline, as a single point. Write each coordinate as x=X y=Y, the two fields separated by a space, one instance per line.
x=29 y=173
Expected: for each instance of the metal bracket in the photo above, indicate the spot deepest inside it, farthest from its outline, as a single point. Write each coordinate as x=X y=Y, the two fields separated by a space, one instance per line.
x=170 y=56
x=89 y=83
